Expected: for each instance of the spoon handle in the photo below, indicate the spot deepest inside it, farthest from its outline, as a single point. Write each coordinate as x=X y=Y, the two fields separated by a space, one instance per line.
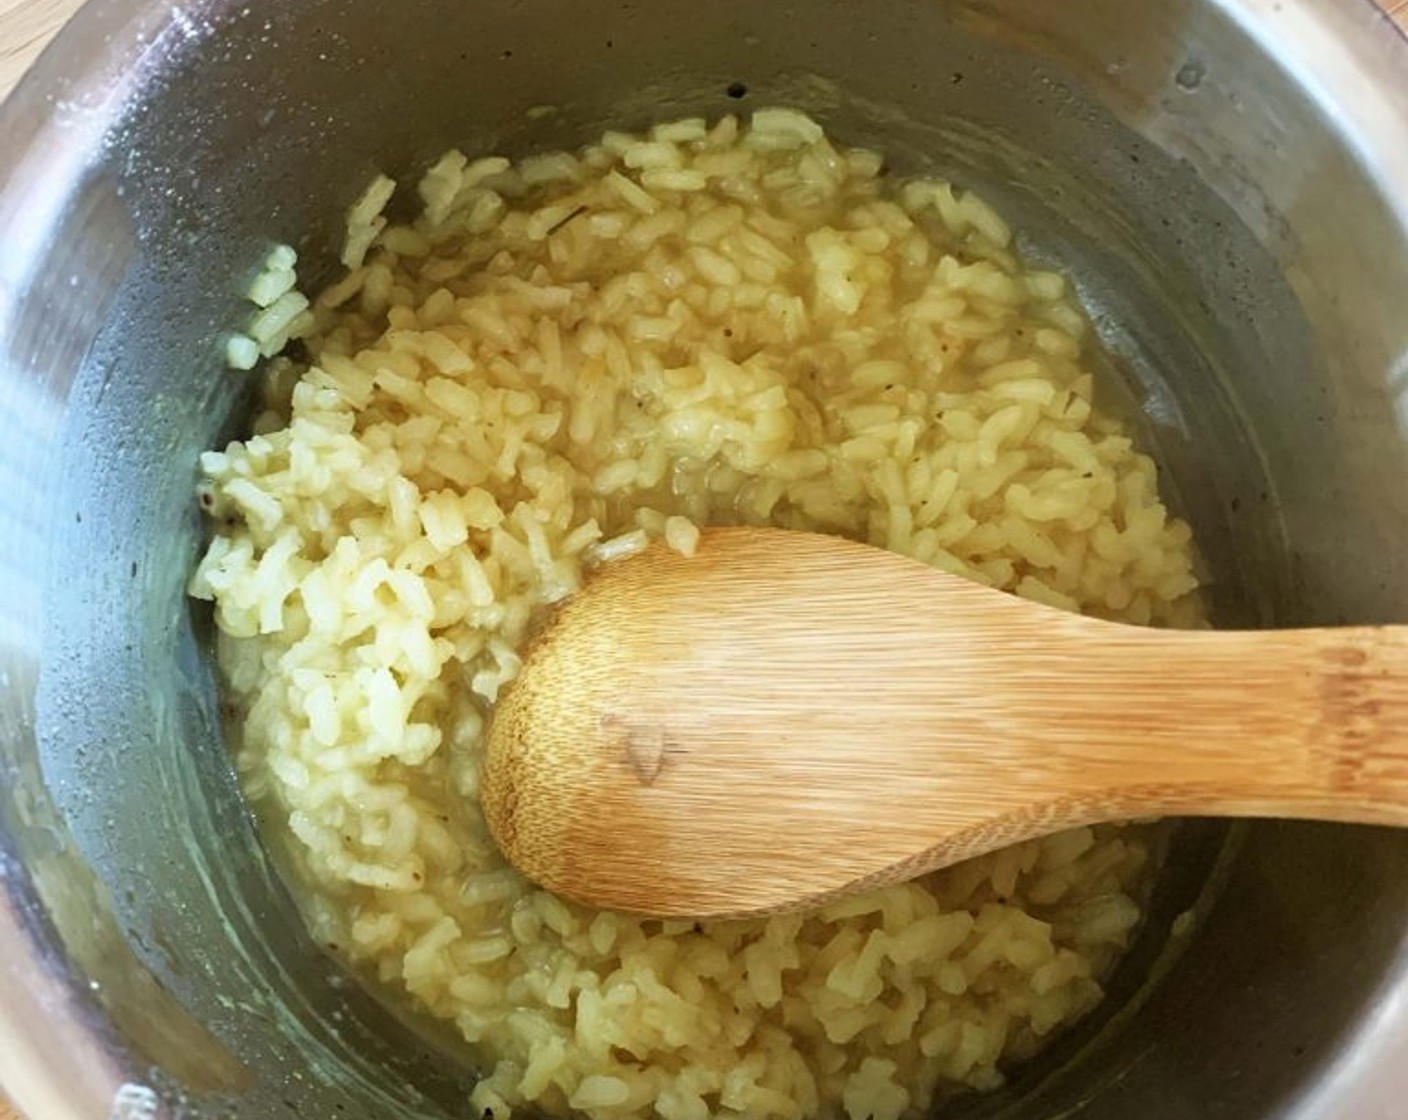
x=1279 y=723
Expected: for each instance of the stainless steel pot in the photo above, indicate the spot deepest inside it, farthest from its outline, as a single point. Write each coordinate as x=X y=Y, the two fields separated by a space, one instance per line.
x=1227 y=177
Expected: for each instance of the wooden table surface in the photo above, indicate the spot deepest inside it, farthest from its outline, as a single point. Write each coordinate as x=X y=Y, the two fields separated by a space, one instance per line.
x=26 y=25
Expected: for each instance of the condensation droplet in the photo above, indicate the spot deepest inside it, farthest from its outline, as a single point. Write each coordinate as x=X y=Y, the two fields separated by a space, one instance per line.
x=1190 y=75
x=133 y=1102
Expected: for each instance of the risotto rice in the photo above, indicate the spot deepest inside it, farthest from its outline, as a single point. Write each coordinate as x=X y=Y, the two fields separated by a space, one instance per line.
x=556 y=361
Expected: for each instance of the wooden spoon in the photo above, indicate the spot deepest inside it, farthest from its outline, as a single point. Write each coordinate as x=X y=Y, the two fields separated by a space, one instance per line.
x=786 y=717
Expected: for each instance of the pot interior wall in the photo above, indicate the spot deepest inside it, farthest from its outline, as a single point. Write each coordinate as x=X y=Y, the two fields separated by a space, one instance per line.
x=260 y=123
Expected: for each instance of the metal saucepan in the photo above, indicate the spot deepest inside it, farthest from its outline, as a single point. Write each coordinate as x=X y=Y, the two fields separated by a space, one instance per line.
x=1229 y=179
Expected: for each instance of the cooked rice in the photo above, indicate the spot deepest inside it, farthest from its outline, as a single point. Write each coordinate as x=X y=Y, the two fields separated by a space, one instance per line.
x=560 y=360
x=283 y=315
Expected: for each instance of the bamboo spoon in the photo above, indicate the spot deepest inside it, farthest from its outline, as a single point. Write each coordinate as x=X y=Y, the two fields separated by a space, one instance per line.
x=787 y=717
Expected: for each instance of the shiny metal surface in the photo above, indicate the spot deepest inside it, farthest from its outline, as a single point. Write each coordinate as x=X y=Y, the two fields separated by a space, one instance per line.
x=1226 y=177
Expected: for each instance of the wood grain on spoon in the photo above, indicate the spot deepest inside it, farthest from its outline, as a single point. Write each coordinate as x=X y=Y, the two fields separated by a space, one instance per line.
x=786 y=716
